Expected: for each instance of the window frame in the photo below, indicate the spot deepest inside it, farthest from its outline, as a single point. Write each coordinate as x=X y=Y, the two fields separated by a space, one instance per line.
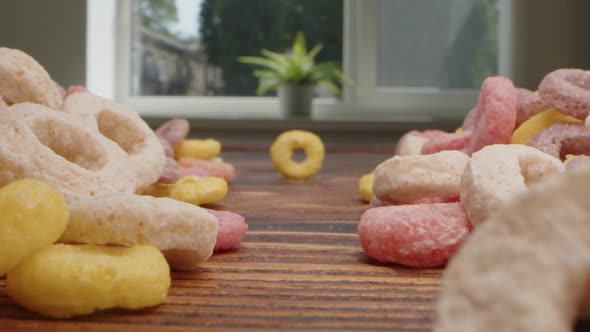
x=109 y=68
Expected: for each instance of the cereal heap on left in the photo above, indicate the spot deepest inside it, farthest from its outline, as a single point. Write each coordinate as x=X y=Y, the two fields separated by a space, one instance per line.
x=71 y=163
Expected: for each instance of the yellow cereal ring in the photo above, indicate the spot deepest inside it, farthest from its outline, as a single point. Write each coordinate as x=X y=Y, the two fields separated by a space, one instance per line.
x=282 y=149
x=459 y=130
x=191 y=189
x=536 y=123
x=63 y=280
x=366 y=186
x=197 y=148
x=33 y=215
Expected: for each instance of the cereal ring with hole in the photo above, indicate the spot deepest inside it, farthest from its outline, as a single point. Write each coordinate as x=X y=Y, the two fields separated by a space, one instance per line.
x=220 y=169
x=538 y=122
x=497 y=173
x=191 y=189
x=495 y=117
x=409 y=178
x=55 y=147
x=231 y=229
x=33 y=216
x=281 y=153
x=421 y=235
x=198 y=149
x=366 y=186
x=125 y=127
x=562 y=139
x=25 y=80
x=63 y=281
x=568 y=90
x=527 y=268
x=184 y=232
x=528 y=104
x=173 y=131
x=455 y=141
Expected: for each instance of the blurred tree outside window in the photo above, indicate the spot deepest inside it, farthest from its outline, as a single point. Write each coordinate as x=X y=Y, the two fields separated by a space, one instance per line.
x=199 y=58
x=190 y=47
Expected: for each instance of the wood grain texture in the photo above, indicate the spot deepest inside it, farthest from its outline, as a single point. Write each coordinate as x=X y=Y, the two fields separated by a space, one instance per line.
x=300 y=267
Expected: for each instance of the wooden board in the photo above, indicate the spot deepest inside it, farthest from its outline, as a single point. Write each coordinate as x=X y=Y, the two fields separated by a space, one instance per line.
x=300 y=267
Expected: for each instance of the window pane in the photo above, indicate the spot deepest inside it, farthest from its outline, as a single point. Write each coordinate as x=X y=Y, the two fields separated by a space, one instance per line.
x=442 y=43
x=190 y=47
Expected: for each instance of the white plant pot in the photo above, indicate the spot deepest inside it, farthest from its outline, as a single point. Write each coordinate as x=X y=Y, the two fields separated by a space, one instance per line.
x=296 y=100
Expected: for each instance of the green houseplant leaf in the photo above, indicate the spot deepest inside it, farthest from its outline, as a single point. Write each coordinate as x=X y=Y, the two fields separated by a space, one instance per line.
x=297 y=67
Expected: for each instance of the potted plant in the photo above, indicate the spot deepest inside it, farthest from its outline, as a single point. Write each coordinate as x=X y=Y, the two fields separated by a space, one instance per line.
x=295 y=75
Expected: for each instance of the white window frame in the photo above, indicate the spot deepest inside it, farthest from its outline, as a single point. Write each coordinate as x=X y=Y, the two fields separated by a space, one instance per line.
x=109 y=67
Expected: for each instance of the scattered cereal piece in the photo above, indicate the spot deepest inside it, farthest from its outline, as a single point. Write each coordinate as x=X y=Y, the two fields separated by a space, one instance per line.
x=422 y=235
x=410 y=178
x=191 y=189
x=173 y=131
x=568 y=91
x=561 y=139
x=281 y=153
x=199 y=149
x=184 y=232
x=497 y=173
x=216 y=168
x=495 y=117
x=366 y=186
x=62 y=280
x=538 y=122
x=528 y=104
x=25 y=80
x=231 y=229
x=33 y=216
x=454 y=141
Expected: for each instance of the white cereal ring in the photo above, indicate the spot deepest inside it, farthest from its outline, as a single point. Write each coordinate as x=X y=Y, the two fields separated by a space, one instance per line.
x=409 y=178
x=25 y=80
x=496 y=173
x=125 y=127
x=41 y=143
x=527 y=268
x=410 y=144
x=184 y=232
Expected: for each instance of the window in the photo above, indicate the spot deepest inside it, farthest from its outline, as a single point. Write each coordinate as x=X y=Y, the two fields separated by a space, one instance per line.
x=409 y=59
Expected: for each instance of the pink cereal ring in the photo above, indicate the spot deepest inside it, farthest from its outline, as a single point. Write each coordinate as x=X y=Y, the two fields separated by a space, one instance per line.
x=454 y=141
x=495 y=117
x=468 y=120
x=220 y=169
x=528 y=104
x=561 y=139
x=568 y=90
x=232 y=228
x=422 y=235
x=174 y=131
x=169 y=172
x=196 y=171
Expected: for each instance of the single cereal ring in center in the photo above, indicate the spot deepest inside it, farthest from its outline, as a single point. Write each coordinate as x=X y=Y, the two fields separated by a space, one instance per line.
x=281 y=153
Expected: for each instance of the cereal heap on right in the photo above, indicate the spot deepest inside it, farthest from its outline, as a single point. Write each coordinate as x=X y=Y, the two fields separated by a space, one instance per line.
x=426 y=199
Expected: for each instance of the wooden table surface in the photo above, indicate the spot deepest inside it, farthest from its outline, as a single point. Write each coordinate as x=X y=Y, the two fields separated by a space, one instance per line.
x=299 y=268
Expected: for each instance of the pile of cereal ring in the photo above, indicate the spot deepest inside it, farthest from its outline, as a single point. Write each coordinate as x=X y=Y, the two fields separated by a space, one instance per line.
x=426 y=200
x=121 y=201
